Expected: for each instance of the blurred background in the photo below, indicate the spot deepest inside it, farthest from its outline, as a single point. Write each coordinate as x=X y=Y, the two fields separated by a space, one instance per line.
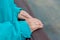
x=48 y=11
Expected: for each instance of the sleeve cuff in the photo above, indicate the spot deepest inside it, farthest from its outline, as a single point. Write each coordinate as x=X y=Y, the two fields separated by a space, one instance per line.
x=25 y=30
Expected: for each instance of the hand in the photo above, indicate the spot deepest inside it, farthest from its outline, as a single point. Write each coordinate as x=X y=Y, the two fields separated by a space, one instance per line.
x=34 y=24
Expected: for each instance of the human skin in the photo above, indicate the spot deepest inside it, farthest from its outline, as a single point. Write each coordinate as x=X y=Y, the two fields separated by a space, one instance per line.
x=34 y=23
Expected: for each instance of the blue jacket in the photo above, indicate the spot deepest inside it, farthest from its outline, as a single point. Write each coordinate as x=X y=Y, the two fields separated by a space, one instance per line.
x=10 y=27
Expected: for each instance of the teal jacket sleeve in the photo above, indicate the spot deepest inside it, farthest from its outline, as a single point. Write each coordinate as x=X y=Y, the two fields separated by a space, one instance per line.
x=12 y=29
x=25 y=30
x=6 y=31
